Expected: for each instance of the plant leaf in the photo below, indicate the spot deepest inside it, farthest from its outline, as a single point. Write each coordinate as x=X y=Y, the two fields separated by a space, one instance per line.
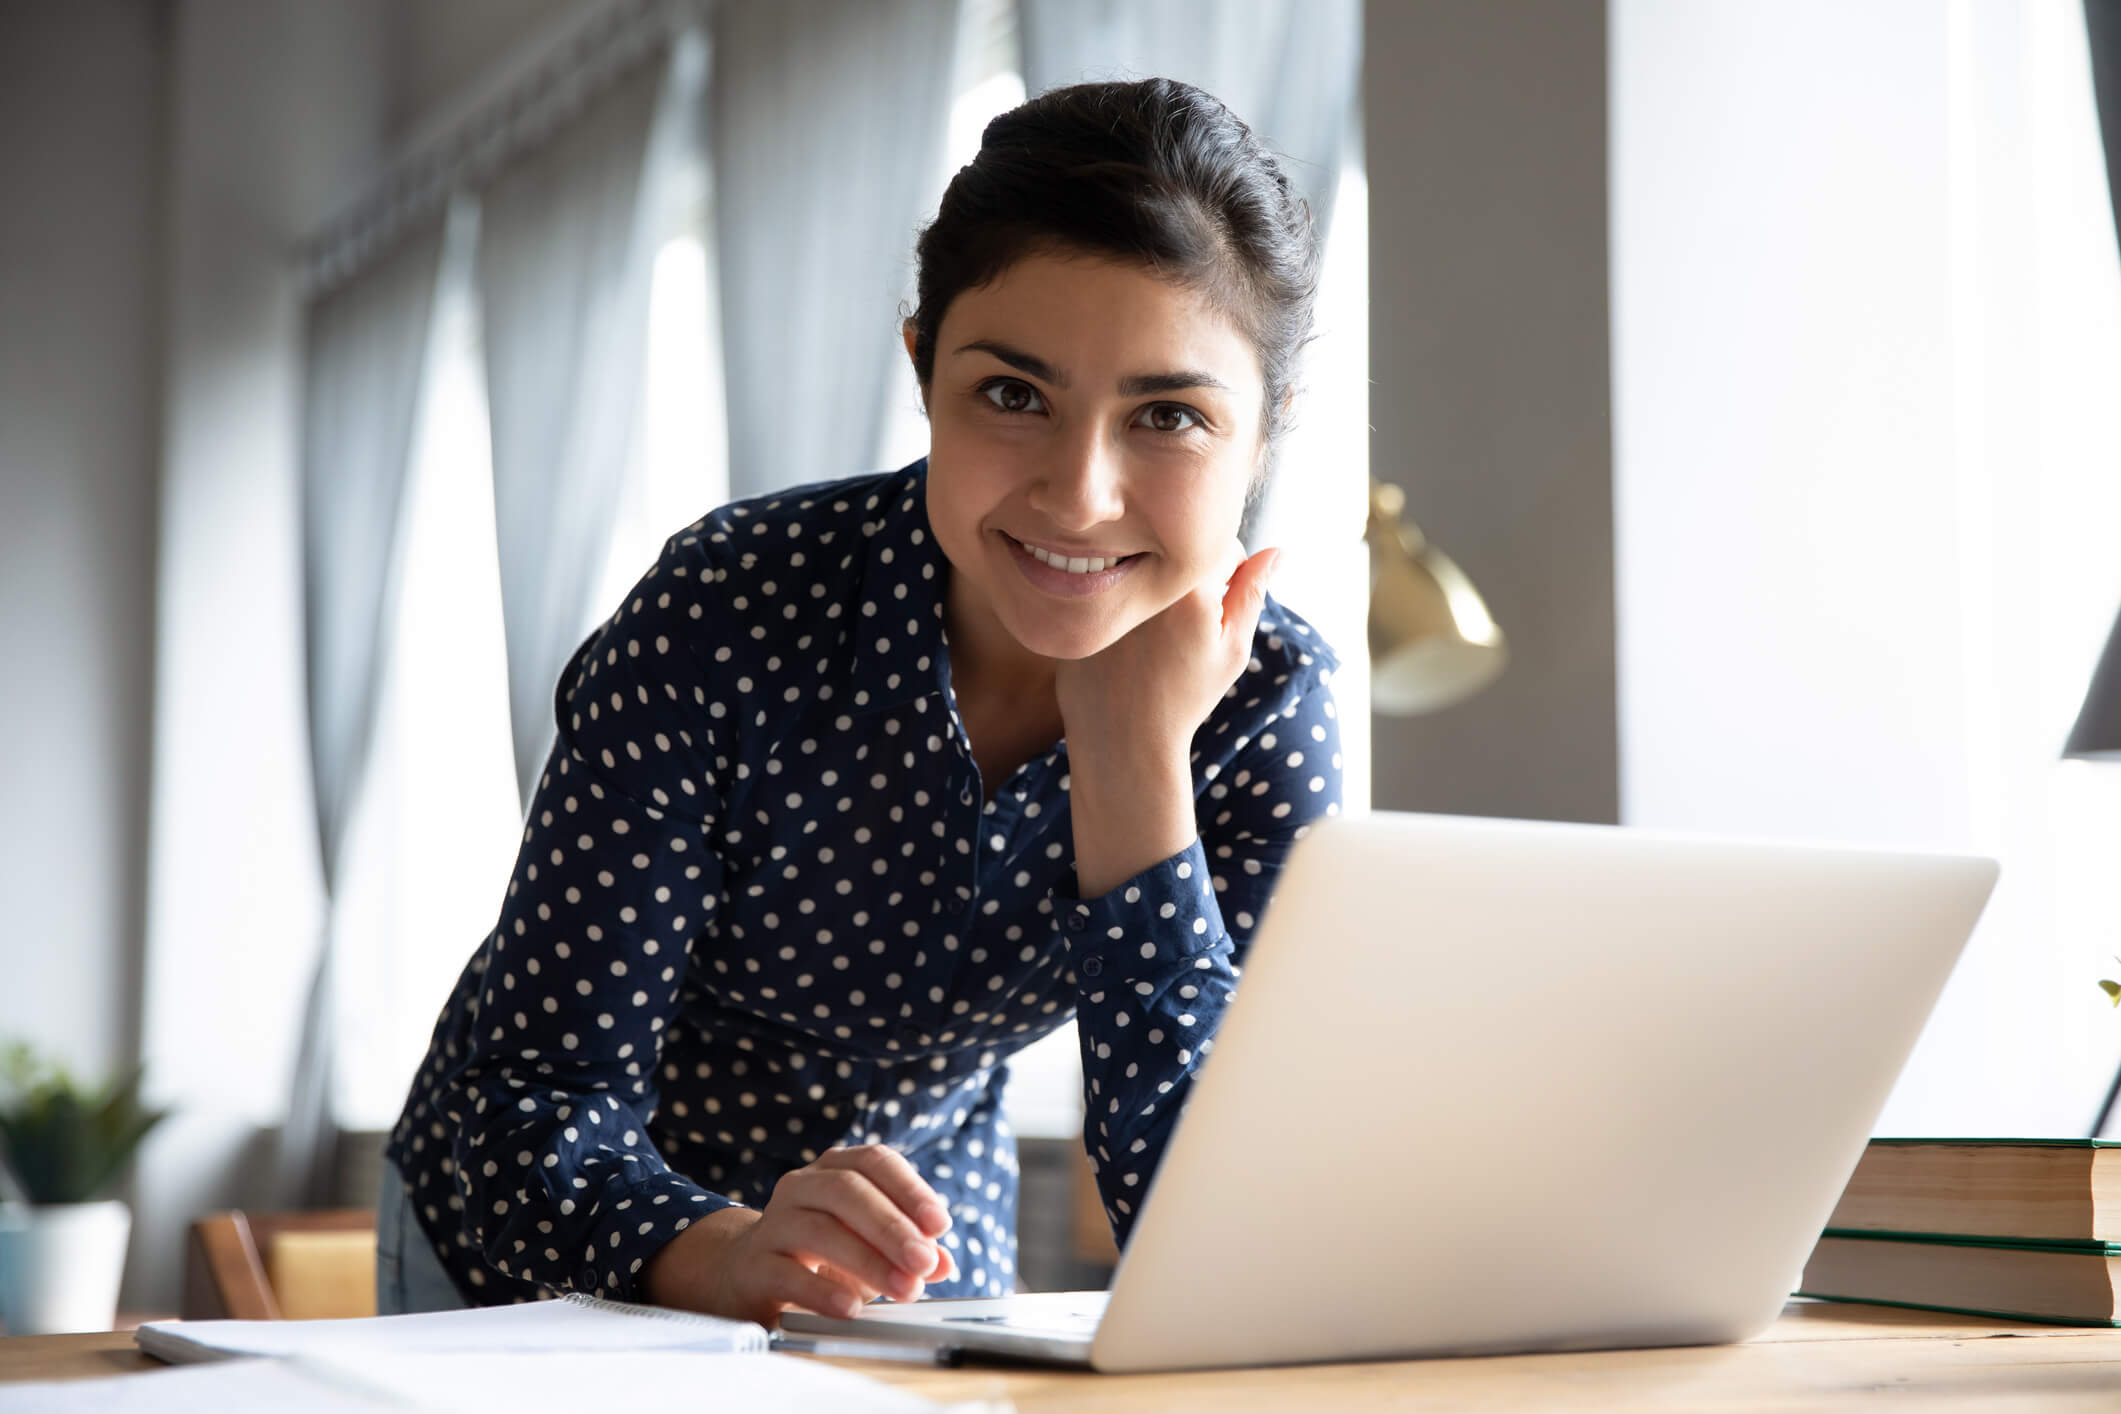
x=65 y=1145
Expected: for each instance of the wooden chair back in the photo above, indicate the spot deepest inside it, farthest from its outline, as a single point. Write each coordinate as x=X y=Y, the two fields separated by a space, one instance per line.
x=281 y=1266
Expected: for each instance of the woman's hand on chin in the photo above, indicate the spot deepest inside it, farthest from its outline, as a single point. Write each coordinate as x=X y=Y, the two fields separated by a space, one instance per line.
x=1129 y=714
x=1142 y=698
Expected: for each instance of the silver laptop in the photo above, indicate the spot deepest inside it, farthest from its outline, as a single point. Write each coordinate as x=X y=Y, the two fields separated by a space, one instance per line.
x=1495 y=1086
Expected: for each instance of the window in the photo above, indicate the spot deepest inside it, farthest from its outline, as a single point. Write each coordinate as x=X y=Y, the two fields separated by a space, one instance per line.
x=679 y=468
x=435 y=833
x=1867 y=328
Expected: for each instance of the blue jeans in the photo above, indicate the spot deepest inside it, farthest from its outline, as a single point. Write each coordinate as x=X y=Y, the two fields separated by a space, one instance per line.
x=409 y=1276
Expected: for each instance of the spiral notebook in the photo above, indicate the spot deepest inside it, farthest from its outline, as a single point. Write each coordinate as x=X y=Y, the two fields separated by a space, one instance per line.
x=571 y=1323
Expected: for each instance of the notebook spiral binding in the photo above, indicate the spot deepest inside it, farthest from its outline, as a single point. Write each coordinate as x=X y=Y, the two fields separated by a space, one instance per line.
x=747 y=1336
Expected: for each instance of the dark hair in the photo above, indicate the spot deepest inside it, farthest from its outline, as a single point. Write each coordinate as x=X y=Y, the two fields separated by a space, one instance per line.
x=1155 y=171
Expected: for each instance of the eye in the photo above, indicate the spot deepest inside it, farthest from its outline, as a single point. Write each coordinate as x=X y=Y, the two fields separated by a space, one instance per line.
x=1172 y=418
x=1011 y=395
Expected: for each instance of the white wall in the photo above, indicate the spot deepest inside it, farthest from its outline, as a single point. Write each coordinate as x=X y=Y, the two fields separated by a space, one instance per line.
x=276 y=112
x=80 y=280
x=1783 y=371
x=1867 y=331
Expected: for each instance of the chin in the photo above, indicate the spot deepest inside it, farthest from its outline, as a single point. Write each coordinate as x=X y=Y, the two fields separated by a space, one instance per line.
x=1063 y=641
x=1062 y=646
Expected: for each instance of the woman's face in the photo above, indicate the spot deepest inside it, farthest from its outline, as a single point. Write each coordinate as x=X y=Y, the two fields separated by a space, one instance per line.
x=1083 y=409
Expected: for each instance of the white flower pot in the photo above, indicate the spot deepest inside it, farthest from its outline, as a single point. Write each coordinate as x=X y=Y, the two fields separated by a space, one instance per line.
x=60 y=1266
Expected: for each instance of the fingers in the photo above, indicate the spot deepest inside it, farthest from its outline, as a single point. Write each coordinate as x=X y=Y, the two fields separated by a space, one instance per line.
x=1247 y=594
x=895 y=1177
x=944 y=1269
x=1209 y=594
x=831 y=1291
x=867 y=1212
x=814 y=1291
x=854 y=1284
x=820 y=1237
x=856 y=1224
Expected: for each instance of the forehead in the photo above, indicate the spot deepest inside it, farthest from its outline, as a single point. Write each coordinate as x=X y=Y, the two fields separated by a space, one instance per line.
x=1099 y=319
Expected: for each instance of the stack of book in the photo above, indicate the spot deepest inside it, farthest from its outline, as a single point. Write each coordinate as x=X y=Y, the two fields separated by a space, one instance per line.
x=2024 y=1228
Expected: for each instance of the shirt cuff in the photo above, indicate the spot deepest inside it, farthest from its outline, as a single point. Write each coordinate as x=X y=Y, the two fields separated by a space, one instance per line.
x=630 y=1230
x=1163 y=917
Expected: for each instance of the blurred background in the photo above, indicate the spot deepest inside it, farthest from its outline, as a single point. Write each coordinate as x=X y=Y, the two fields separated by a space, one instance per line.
x=1758 y=363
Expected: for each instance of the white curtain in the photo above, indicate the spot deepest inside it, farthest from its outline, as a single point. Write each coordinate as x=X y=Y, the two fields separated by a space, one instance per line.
x=366 y=361
x=829 y=121
x=566 y=248
x=1287 y=67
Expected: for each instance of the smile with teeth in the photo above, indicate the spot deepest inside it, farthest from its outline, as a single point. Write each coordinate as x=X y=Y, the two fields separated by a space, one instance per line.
x=1076 y=565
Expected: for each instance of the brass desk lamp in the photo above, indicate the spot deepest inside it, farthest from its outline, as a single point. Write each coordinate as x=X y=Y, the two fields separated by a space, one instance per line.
x=1432 y=642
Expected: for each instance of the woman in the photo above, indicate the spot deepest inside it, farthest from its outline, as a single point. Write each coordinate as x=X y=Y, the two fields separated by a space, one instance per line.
x=872 y=783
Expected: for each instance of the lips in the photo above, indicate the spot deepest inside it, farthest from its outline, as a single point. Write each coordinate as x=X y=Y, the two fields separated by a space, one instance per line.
x=1059 y=582
x=1070 y=564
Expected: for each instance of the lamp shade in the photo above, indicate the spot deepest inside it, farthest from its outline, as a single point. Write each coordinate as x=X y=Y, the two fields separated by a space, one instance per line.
x=1432 y=642
x=2097 y=735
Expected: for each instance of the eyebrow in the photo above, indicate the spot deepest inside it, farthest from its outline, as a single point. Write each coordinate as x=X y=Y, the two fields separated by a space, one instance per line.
x=1133 y=385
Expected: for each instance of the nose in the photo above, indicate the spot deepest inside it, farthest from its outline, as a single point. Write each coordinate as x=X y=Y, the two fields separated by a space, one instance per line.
x=1082 y=486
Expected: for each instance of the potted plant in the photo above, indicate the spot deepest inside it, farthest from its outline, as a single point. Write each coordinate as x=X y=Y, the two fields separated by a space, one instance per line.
x=62 y=1249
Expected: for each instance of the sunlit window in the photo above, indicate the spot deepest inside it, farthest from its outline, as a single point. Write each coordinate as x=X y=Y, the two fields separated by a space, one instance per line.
x=436 y=831
x=434 y=835
x=679 y=466
x=1865 y=486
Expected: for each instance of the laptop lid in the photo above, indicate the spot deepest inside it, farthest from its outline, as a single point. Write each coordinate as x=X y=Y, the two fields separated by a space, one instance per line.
x=1503 y=1086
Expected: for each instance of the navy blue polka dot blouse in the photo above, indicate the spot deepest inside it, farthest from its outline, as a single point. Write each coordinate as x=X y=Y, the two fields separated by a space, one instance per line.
x=765 y=905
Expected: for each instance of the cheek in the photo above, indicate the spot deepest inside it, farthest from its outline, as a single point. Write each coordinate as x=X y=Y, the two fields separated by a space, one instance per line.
x=1196 y=519
x=973 y=473
x=963 y=489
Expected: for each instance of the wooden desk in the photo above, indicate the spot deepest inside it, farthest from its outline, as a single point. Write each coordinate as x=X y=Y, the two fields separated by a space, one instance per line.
x=1818 y=1356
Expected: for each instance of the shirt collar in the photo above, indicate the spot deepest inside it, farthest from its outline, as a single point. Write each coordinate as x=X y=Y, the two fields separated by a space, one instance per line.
x=899 y=649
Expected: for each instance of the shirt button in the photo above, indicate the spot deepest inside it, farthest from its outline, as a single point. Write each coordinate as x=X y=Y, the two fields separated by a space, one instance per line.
x=1076 y=923
x=1093 y=967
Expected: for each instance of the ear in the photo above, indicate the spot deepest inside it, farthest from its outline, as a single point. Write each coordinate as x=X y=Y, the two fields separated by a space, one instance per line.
x=908 y=333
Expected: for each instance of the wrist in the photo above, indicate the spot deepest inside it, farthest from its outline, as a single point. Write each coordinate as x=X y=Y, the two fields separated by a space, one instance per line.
x=685 y=1272
x=1128 y=815
x=1132 y=767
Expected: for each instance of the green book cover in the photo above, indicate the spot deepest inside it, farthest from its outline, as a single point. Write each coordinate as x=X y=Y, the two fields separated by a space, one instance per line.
x=1966 y=1311
x=2102 y=1251
x=1956 y=1239
x=2042 y=1143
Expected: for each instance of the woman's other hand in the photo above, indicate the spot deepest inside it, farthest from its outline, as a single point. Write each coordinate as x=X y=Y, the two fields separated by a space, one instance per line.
x=858 y=1223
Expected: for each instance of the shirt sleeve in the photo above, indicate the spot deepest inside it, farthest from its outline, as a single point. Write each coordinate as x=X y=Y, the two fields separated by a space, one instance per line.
x=1157 y=958
x=558 y=1180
